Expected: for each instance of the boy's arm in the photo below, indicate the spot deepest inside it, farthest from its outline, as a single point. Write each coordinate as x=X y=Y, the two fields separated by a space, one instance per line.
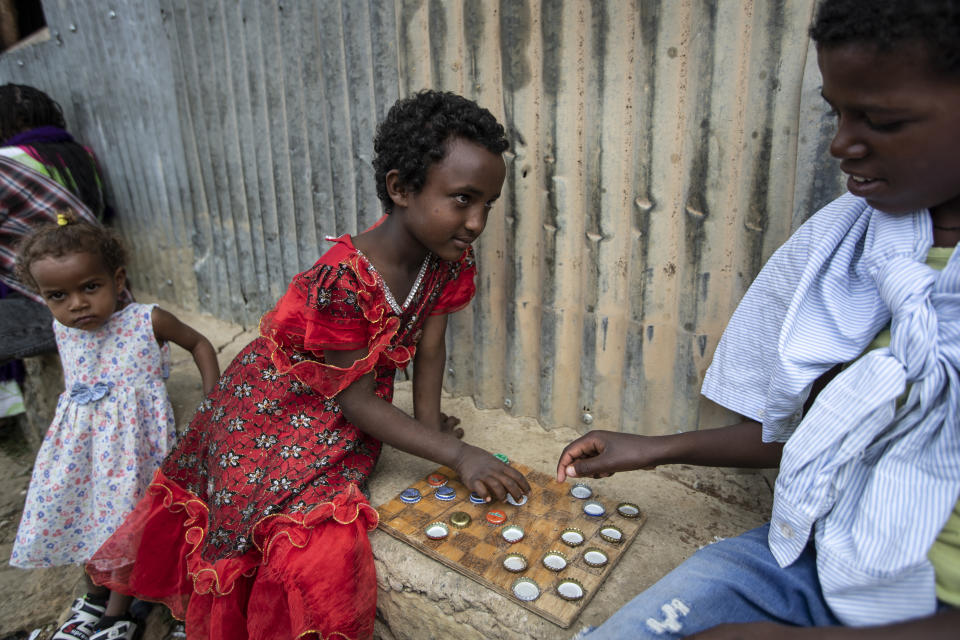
x=428 y=366
x=478 y=470
x=940 y=625
x=601 y=453
x=166 y=327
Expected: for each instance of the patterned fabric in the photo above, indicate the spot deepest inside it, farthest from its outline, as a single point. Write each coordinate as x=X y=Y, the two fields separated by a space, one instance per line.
x=28 y=199
x=877 y=481
x=97 y=457
x=271 y=438
x=255 y=525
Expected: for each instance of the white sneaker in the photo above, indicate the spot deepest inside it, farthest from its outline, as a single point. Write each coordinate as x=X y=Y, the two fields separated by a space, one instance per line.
x=79 y=626
x=120 y=630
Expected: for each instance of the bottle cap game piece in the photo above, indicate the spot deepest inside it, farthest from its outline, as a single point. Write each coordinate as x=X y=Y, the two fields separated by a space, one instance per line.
x=502 y=458
x=512 y=533
x=555 y=560
x=595 y=557
x=496 y=517
x=611 y=534
x=628 y=510
x=525 y=589
x=581 y=491
x=436 y=479
x=515 y=562
x=437 y=531
x=460 y=519
x=593 y=508
x=517 y=503
x=475 y=499
x=445 y=493
x=570 y=589
x=572 y=537
x=410 y=496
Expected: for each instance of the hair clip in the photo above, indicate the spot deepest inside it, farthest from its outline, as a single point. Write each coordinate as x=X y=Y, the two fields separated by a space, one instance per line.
x=62 y=220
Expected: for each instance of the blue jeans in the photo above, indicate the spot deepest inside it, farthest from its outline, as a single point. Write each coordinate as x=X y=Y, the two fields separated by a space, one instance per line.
x=734 y=580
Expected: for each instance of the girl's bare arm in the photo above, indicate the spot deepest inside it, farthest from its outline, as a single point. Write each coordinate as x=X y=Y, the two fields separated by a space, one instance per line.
x=428 y=371
x=478 y=470
x=428 y=368
x=166 y=327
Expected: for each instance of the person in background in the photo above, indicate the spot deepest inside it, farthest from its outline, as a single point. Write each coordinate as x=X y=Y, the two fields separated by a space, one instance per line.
x=43 y=170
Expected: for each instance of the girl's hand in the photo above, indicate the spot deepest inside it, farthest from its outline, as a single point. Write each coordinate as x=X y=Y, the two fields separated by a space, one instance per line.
x=448 y=424
x=487 y=476
x=602 y=453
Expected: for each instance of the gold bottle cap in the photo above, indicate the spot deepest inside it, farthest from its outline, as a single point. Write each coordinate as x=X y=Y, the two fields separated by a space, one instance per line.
x=611 y=533
x=593 y=508
x=460 y=519
x=572 y=537
x=515 y=562
x=595 y=557
x=437 y=530
x=512 y=533
x=628 y=510
x=570 y=589
x=555 y=560
x=581 y=491
x=525 y=589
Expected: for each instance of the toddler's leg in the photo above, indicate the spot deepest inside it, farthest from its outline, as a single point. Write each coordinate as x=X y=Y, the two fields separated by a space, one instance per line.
x=85 y=613
x=95 y=592
x=118 y=605
x=734 y=580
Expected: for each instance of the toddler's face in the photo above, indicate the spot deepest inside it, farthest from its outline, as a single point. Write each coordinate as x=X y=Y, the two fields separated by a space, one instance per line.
x=898 y=126
x=78 y=288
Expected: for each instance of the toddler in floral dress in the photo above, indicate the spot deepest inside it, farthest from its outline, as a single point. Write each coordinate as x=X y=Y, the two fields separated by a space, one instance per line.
x=255 y=526
x=113 y=423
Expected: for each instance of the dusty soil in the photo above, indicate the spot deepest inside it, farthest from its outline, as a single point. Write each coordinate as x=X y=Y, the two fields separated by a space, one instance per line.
x=689 y=508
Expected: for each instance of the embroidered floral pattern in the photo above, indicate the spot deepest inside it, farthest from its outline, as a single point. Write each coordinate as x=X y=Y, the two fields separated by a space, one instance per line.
x=274 y=441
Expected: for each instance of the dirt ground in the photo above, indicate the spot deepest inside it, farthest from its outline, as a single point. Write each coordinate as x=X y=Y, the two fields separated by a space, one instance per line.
x=38 y=598
x=690 y=507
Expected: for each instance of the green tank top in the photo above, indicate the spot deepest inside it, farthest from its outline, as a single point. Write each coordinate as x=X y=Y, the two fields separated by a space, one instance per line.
x=944 y=555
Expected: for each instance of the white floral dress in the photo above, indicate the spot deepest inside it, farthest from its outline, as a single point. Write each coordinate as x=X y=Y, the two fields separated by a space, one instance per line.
x=112 y=429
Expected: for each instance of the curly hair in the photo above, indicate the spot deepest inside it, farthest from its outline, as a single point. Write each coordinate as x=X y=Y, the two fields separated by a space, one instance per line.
x=56 y=240
x=417 y=130
x=935 y=24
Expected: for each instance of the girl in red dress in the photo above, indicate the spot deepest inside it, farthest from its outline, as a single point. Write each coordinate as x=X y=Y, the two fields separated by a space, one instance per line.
x=255 y=526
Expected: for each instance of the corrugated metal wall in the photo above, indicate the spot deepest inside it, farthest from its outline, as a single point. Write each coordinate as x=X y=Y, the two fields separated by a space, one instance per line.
x=662 y=149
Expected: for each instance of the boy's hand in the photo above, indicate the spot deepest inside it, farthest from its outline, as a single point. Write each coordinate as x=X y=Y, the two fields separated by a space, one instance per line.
x=603 y=453
x=488 y=477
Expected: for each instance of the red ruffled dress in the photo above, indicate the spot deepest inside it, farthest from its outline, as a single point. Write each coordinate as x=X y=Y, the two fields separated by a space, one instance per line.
x=256 y=524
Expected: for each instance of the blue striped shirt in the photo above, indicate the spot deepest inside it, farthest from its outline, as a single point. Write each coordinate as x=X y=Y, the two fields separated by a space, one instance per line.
x=872 y=481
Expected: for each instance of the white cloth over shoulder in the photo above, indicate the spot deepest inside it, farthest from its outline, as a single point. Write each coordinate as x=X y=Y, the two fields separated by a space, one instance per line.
x=876 y=481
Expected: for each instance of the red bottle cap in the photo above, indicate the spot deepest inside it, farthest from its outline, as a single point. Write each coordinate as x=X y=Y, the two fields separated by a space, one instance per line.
x=436 y=479
x=496 y=517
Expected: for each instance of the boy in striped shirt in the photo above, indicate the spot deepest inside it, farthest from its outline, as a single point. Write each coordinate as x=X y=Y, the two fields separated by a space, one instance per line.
x=844 y=359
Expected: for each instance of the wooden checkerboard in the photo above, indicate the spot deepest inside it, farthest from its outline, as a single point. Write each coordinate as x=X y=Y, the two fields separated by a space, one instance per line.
x=477 y=551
